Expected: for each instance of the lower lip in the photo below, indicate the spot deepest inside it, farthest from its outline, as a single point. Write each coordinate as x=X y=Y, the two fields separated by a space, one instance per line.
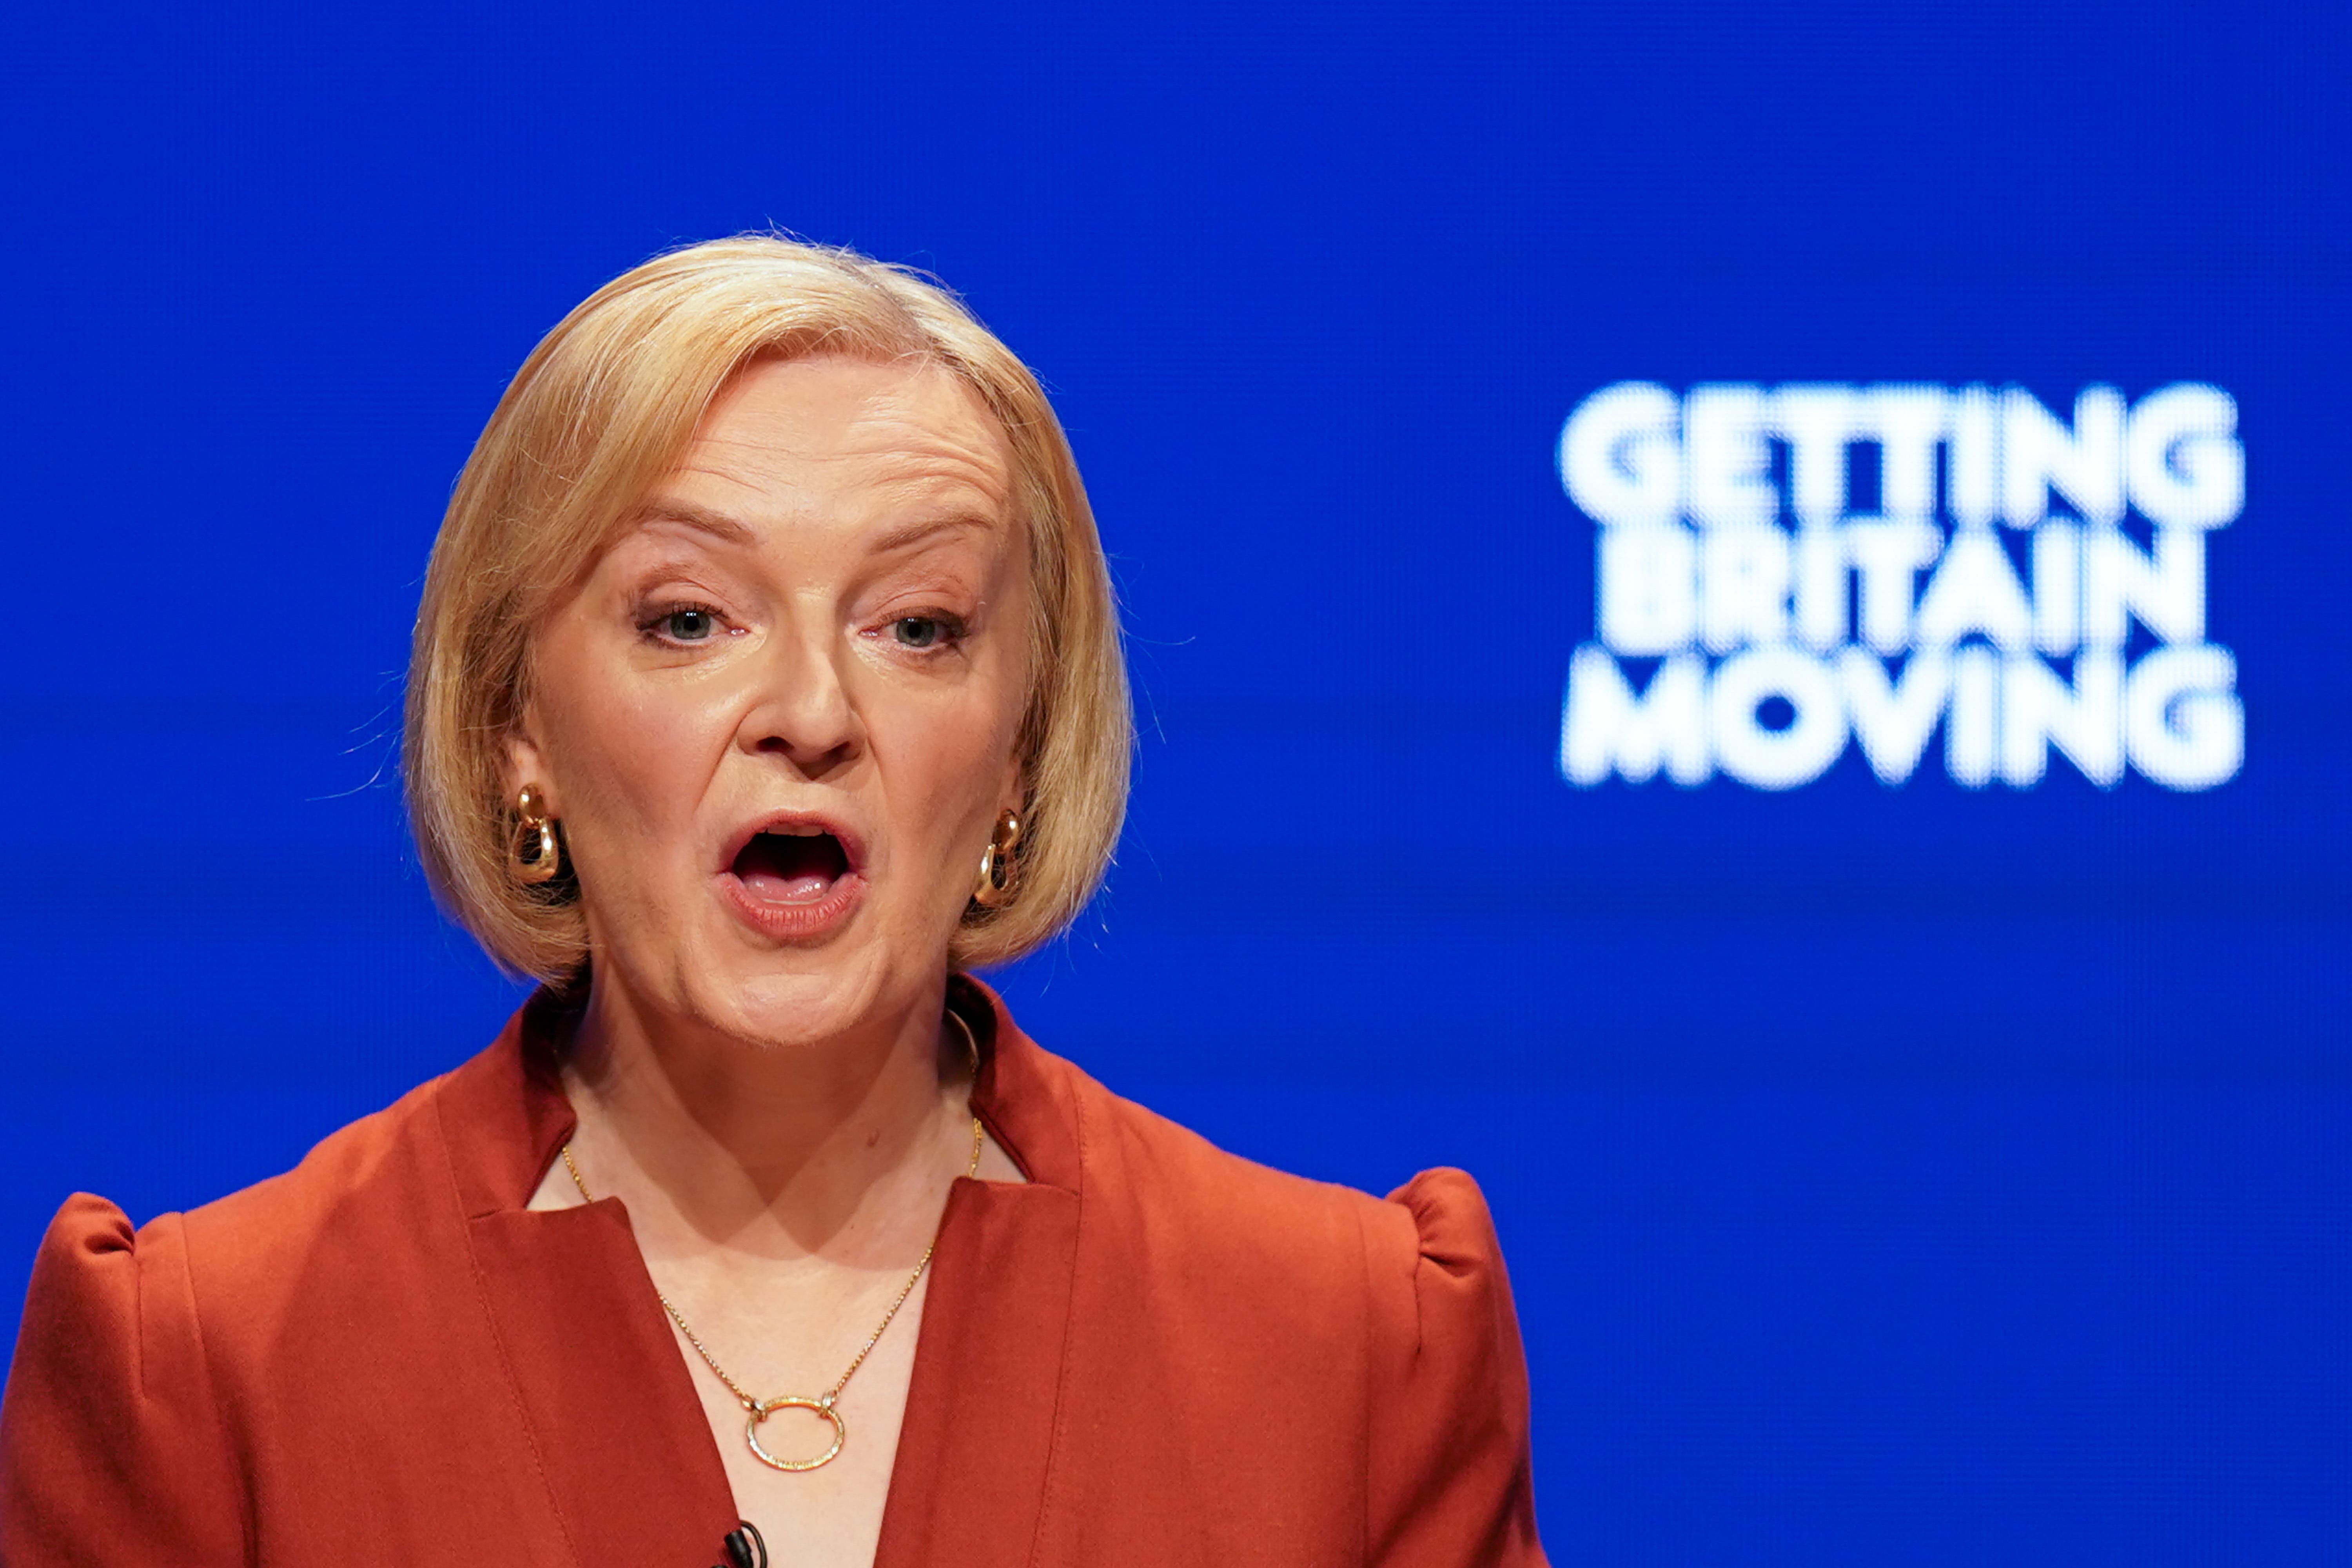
x=797 y=921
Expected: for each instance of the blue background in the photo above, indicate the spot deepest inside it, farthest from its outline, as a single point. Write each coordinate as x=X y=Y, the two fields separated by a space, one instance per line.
x=1907 y=1176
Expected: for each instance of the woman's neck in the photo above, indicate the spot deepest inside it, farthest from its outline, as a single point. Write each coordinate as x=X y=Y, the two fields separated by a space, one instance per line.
x=772 y=1150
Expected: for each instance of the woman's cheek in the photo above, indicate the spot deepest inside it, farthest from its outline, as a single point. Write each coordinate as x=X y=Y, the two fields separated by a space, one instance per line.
x=649 y=751
x=932 y=767
x=669 y=719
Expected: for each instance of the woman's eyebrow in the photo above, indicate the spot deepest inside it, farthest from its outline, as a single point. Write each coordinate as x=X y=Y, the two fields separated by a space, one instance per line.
x=903 y=536
x=701 y=519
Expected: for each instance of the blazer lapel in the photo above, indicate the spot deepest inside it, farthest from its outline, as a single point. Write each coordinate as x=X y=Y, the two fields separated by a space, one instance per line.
x=974 y=1473
x=607 y=1409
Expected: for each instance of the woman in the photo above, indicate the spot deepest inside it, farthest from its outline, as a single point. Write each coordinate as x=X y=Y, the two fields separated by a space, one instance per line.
x=766 y=681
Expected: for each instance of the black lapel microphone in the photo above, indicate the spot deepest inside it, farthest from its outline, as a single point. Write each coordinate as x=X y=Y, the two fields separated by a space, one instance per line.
x=745 y=1549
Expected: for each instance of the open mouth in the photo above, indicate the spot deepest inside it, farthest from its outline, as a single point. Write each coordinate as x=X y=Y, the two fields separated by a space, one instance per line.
x=784 y=865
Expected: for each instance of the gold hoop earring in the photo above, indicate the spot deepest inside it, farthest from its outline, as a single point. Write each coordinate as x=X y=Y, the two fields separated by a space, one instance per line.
x=995 y=884
x=536 y=831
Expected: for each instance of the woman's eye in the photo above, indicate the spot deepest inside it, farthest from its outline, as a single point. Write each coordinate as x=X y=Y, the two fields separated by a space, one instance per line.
x=918 y=631
x=688 y=625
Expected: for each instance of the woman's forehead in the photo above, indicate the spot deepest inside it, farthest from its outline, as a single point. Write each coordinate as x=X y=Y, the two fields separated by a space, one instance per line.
x=800 y=429
x=887 y=459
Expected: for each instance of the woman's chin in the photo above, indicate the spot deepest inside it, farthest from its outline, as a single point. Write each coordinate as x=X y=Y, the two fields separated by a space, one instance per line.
x=835 y=962
x=790 y=993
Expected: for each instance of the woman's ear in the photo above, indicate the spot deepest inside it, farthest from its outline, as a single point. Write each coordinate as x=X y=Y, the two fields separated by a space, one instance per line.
x=527 y=765
x=1010 y=795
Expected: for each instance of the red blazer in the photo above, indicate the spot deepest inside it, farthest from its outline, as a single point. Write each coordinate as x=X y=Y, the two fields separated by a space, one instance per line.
x=1153 y=1352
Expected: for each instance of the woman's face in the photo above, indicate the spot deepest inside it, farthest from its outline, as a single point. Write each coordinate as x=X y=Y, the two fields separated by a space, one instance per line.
x=777 y=722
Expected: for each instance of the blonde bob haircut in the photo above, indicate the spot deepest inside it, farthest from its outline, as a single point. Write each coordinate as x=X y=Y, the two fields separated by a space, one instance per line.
x=599 y=412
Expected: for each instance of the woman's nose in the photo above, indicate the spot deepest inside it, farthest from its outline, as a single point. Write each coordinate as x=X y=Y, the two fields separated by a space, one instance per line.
x=802 y=711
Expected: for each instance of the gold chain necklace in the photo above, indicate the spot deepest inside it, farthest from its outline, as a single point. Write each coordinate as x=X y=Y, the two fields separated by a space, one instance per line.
x=827 y=1404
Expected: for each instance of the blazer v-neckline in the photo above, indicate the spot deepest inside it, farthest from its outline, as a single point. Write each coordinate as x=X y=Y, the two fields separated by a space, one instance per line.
x=605 y=1407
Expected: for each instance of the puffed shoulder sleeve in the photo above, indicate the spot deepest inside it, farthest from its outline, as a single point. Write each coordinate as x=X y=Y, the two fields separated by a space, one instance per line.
x=1450 y=1474
x=111 y=1446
